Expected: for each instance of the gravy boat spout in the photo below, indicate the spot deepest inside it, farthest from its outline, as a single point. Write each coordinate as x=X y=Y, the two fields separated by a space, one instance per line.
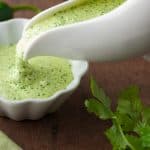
x=122 y=33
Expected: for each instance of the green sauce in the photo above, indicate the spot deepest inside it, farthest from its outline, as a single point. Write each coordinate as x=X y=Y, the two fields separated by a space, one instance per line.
x=40 y=77
x=86 y=9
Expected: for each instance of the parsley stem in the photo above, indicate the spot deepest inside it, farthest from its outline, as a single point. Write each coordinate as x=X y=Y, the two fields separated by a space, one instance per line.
x=115 y=119
x=26 y=7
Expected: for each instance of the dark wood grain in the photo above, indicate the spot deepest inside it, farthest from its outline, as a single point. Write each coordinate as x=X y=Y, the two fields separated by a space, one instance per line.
x=71 y=127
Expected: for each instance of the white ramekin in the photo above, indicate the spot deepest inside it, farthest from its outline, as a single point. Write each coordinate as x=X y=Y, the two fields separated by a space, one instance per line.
x=10 y=32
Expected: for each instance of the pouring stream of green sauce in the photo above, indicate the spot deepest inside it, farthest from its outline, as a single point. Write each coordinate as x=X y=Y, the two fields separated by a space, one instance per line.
x=40 y=77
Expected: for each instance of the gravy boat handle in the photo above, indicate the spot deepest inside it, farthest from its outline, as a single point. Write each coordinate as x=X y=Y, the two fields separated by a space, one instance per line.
x=119 y=34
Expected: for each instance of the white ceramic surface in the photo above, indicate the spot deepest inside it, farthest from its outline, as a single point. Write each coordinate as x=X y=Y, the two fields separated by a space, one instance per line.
x=10 y=32
x=119 y=34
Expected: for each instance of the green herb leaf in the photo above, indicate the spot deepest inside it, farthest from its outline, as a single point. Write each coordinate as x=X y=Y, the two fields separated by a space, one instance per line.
x=126 y=122
x=146 y=115
x=129 y=101
x=101 y=111
x=99 y=93
x=143 y=130
x=129 y=108
x=6 y=12
x=131 y=120
x=116 y=139
x=135 y=141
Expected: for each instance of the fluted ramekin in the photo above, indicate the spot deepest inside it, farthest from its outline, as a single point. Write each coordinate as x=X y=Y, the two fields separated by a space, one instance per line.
x=10 y=33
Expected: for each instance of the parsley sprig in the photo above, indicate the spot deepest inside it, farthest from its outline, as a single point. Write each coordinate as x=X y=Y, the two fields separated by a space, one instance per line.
x=130 y=128
x=7 y=11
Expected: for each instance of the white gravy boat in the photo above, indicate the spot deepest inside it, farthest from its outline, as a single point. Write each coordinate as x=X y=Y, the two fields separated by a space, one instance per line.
x=119 y=34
